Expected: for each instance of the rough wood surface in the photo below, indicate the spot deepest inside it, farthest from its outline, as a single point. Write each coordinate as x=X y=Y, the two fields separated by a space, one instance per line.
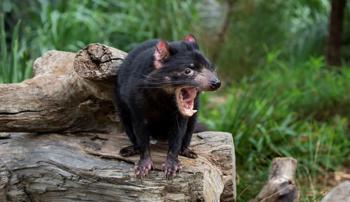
x=340 y=193
x=87 y=167
x=70 y=151
x=281 y=185
x=69 y=92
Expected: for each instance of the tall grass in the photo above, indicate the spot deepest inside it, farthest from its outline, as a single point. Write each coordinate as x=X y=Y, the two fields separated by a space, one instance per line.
x=70 y=25
x=298 y=111
x=280 y=110
x=14 y=60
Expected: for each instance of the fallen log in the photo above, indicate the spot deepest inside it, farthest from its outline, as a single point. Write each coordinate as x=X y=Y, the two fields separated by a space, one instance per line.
x=87 y=167
x=281 y=185
x=70 y=137
x=69 y=92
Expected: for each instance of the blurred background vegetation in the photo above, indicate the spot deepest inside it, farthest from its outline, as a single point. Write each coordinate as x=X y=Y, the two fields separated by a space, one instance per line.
x=285 y=93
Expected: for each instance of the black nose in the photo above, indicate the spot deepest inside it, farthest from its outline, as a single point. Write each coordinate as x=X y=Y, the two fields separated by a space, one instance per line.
x=215 y=84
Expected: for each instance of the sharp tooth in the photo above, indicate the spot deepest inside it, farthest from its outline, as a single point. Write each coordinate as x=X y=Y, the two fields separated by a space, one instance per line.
x=194 y=110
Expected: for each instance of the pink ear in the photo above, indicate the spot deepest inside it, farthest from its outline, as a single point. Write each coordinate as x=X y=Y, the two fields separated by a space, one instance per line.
x=190 y=38
x=161 y=53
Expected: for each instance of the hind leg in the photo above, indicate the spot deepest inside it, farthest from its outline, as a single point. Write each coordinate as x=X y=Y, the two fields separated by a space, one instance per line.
x=134 y=148
x=125 y=117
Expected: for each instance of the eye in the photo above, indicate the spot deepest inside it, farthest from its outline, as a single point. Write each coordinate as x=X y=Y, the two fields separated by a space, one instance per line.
x=188 y=71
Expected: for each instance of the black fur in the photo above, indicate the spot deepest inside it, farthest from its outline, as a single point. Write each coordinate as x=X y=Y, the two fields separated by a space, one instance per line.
x=147 y=105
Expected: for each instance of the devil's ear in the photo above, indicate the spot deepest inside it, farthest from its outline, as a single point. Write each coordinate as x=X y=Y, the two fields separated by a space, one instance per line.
x=161 y=53
x=191 y=39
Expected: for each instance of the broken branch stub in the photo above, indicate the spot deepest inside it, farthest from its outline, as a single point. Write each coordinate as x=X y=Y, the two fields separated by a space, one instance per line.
x=281 y=185
x=98 y=62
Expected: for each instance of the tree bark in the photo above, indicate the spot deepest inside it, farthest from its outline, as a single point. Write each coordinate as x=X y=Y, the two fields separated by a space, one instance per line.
x=340 y=193
x=69 y=92
x=281 y=185
x=71 y=149
x=88 y=167
x=333 y=54
x=222 y=34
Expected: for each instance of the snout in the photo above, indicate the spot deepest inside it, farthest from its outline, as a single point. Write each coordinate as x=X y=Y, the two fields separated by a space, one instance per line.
x=207 y=80
x=214 y=84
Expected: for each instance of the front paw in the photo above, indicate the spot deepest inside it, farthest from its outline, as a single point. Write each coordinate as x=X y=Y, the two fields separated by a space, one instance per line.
x=143 y=167
x=171 y=167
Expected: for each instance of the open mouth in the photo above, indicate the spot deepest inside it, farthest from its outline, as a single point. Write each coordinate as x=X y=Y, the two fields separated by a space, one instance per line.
x=185 y=100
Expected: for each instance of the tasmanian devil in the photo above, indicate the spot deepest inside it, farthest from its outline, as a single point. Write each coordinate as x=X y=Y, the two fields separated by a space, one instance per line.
x=157 y=91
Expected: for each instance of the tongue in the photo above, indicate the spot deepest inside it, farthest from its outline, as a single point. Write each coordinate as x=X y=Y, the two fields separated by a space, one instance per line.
x=188 y=94
x=185 y=100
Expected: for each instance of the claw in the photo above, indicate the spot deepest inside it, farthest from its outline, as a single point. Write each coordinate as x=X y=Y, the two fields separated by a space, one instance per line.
x=143 y=167
x=171 y=167
x=188 y=153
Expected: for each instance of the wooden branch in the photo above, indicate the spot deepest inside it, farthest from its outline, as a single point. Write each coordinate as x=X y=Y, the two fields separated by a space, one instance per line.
x=73 y=93
x=281 y=185
x=335 y=30
x=69 y=92
x=222 y=34
x=87 y=167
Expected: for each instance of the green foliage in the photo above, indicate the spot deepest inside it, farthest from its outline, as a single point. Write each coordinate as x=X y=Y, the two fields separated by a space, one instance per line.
x=70 y=25
x=288 y=104
x=298 y=111
x=297 y=28
x=34 y=27
x=249 y=34
x=14 y=59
